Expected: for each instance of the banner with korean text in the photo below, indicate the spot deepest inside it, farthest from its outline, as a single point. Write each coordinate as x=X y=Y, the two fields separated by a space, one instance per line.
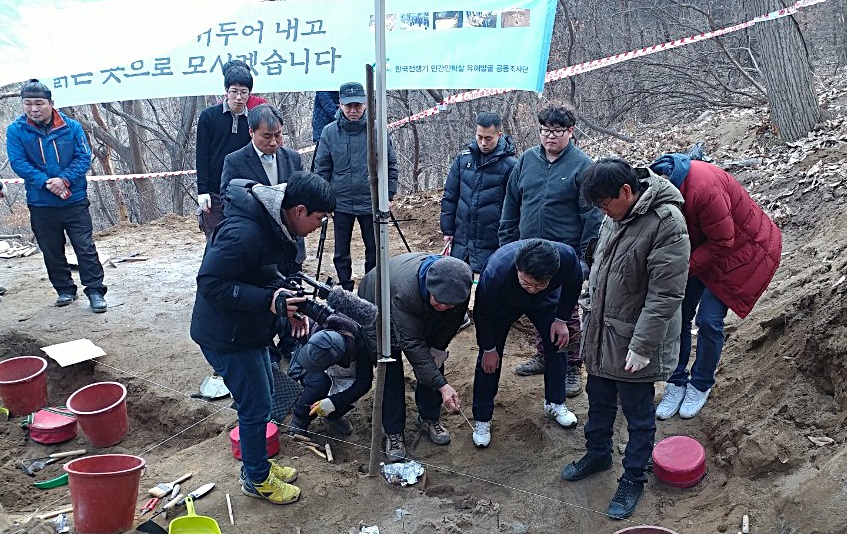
x=304 y=45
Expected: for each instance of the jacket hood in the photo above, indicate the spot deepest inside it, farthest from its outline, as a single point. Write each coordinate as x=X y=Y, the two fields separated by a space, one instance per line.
x=658 y=191
x=351 y=126
x=261 y=203
x=674 y=166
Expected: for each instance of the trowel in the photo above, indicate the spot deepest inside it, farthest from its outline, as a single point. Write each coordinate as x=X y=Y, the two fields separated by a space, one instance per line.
x=212 y=388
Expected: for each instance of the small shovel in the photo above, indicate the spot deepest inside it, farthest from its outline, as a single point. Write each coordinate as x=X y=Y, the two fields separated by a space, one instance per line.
x=153 y=528
x=37 y=464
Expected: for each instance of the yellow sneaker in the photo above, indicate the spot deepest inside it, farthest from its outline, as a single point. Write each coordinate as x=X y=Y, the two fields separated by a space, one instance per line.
x=286 y=474
x=272 y=489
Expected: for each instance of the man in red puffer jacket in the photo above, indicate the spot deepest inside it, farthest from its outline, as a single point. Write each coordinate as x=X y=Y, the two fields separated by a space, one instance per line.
x=735 y=251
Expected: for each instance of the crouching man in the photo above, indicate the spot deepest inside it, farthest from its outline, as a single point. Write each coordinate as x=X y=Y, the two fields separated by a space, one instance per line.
x=429 y=298
x=235 y=309
x=632 y=317
x=335 y=368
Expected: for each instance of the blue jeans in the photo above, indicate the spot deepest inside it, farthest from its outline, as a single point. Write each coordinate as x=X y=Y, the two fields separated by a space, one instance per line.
x=637 y=406
x=427 y=399
x=485 y=385
x=247 y=375
x=710 y=316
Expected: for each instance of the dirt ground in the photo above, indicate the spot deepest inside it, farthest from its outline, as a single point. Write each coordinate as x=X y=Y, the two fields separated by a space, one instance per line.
x=781 y=381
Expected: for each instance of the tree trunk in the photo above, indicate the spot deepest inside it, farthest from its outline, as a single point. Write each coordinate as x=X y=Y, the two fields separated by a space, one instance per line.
x=785 y=67
x=148 y=204
x=104 y=156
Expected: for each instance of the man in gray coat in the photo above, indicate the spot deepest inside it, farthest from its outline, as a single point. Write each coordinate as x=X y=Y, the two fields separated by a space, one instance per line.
x=342 y=160
x=429 y=297
x=632 y=317
x=543 y=200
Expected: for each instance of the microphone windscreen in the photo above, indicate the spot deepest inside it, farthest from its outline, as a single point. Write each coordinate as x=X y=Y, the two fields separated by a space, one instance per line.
x=358 y=309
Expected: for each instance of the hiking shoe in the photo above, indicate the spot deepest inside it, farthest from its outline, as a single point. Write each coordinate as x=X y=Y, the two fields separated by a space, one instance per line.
x=560 y=413
x=586 y=466
x=466 y=322
x=534 y=366
x=437 y=433
x=671 y=401
x=2 y=291
x=97 y=302
x=395 y=447
x=573 y=381
x=482 y=433
x=296 y=426
x=625 y=499
x=272 y=489
x=339 y=425
x=286 y=474
x=693 y=402
x=65 y=298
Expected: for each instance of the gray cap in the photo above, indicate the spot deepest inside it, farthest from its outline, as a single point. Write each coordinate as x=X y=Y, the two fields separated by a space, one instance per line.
x=449 y=280
x=351 y=92
x=323 y=350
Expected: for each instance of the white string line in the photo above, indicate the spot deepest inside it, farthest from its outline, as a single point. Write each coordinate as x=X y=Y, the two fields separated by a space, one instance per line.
x=475 y=477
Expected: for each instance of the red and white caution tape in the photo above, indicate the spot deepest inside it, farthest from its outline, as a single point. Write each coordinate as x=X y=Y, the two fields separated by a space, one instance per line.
x=551 y=76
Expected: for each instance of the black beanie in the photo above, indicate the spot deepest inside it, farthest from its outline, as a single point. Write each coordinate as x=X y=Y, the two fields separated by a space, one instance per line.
x=35 y=89
x=449 y=280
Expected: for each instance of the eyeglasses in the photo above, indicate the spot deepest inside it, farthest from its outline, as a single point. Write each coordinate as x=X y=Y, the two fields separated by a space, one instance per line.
x=526 y=285
x=604 y=205
x=547 y=132
x=233 y=93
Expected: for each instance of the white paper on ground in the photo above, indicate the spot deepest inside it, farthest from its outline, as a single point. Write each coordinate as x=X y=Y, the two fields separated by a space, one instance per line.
x=72 y=352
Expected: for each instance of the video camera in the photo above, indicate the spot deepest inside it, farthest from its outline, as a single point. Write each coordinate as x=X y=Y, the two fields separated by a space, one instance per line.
x=304 y=286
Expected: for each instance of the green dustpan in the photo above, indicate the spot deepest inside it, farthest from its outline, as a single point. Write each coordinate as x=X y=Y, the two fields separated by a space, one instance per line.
x=193 y=523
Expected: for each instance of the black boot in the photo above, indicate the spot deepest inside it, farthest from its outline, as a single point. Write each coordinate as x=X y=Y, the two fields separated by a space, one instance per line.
x=625 y=499
x=585 y=466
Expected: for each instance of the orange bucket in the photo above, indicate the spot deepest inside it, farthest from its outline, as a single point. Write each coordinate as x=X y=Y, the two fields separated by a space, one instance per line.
x=23 y=384
x=100 y=410
x=104 y=490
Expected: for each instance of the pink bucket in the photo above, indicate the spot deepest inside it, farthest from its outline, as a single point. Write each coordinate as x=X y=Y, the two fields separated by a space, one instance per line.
x=23 y=384
x=104 y=490
x=100 y=410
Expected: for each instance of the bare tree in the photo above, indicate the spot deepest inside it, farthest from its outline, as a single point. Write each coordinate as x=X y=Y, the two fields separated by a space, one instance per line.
x=785 y=67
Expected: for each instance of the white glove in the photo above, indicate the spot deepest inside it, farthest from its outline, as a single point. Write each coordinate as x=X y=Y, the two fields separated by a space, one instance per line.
x=634 y=362
x=322 y=408
x=205 y=202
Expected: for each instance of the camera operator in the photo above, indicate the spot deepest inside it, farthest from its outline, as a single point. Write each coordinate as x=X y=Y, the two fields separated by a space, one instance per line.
x=335 y=368
x=235 y=308
x=429 y=298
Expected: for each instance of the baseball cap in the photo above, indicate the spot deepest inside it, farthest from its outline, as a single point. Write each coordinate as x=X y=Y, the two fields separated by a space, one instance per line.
x=351 y=92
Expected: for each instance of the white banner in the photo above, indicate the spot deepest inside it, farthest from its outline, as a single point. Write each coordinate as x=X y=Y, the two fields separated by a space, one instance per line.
x=304 y=45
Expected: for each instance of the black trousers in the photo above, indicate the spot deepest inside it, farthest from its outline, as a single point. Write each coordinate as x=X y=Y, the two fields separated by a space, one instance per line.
x=50 y=226
x=427 y=400
x=343 y=225
x=636 y=400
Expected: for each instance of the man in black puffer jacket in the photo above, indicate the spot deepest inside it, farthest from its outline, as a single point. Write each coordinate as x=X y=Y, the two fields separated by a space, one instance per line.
x=474 y=193
x=235 y=313
x=342 y=160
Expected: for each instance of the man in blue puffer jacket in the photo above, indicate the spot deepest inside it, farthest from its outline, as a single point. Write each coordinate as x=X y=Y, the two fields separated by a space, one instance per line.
x=50 y=152
x=474 y=192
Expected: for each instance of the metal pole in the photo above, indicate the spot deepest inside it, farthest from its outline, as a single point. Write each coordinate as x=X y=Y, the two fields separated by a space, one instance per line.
x=378 y=170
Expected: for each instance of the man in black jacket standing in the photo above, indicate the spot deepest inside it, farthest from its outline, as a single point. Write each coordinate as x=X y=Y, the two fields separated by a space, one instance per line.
x=474 y=192
x=234 y=313
x=342 y=160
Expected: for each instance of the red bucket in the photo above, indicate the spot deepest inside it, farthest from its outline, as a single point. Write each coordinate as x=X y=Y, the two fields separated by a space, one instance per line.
x=23 y=384
x=104 y=490
x=271 y=438
x=100 y=410
x=679 y=461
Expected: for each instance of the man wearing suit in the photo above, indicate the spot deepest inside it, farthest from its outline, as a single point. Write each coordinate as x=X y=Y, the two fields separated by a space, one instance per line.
x=264 y=160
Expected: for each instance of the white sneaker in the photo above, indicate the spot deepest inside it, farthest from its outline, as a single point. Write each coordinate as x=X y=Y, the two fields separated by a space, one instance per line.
x=560 y=413
x=694 y=401
x=671 y=401
x=482 y=433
